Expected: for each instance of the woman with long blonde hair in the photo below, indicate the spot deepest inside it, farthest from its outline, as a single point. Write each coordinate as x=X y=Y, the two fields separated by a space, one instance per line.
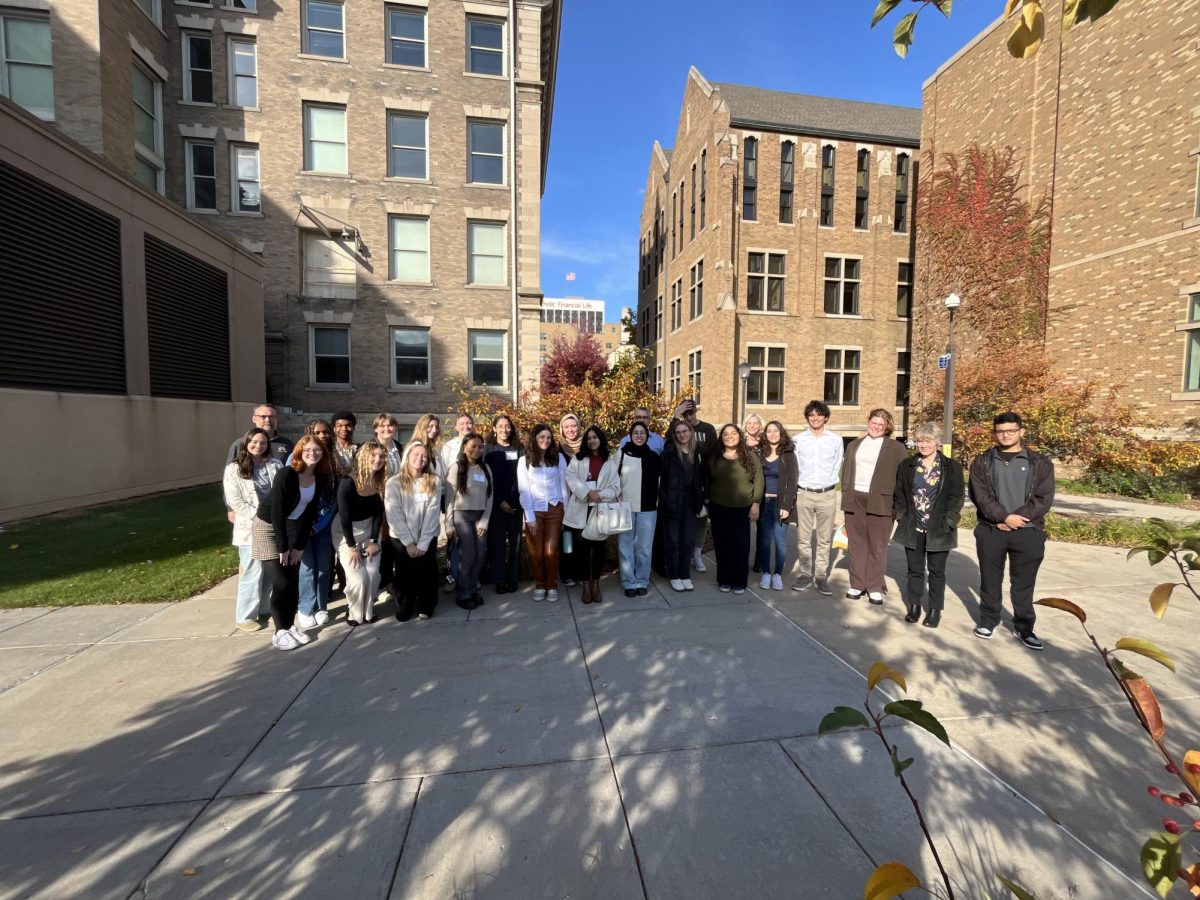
x=360 y=519
x=412 y=501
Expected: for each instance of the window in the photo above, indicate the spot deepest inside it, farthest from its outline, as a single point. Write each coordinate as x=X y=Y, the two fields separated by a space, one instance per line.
x=1191 y=377
x=201 y=175
x=842 y=279
x=657 y=378
x=245 y=190
x=485 y=253
x=151 y=8
x=408 y=246
x=674 y=204
x=324 y=29
x=26 y=64
x=902 y=369
x=696 y=290
x=243 y=73
x=703 y=183
x=329 y=271
x=406 y=36
x=197 y=68
x=900 y=216
x=487 y=357
x=842 y=369
x=862 y=190
x=330 y=362
x=407 y=146
x=662 y=240
x=682 y=198
x=767 y=365
x=658 y=314
x=147 y=129
x=247 y=5
x=828 y=161
x=904 y=291
x=410 y=357
x=644 y=318
x=485 y=46
x=486 y=148
x=692 y=214
x=694 y=375
x=787 y=175
x=676 y=367
x=750 y=180
x=677 y=304
x=325 y=138
x=765 y=281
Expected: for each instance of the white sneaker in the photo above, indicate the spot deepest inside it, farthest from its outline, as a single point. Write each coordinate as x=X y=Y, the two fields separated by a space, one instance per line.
x=677 y=585
x=698 y=563
x=306 y=621
x=765 y=581
x=322 y=617
x=739 y=590
x=539 y=594
x=552 y=596
x=284 y=640
x=777 y=582
x=298 y=633
x=687 y=585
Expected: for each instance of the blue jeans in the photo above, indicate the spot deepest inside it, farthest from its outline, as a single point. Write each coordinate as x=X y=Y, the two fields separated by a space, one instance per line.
x=316 y=572
x=771 y=533
x=254 y=588
x=633 y=549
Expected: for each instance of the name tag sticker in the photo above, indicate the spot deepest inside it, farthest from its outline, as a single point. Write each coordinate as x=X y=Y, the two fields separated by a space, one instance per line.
x=511 y=455
x=479 y=476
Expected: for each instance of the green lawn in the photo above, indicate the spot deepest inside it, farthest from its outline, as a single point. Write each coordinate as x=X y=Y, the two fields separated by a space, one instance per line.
x=1104 y=531
x=165 y=547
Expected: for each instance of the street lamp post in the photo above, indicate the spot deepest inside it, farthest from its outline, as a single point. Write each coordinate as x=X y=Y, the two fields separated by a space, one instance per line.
x=952 y=303
x=744 y=374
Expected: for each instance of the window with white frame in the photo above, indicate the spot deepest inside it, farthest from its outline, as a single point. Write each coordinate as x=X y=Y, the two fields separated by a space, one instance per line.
x=1191 y=376
x=658 y=378
x=329 y=270
x=26 y=63
x=787 y=180
x=330 y=355
x=862 y=186
x=904 y=290
x=900 y=213
x=148 y=161
x=677 y=304
x=152 y=8
x=325 y=138
x=486 y=350
x=767 y=365
x=485 y=147
x=675 y=375
x=828 y=167
x=324 y=28
x=408 y=246
x=408 y=145
x=485 y=46
x=243 y=73
x=696 y=291
x=843 y=368
x=197 y=68
x=765 y=278
x=843 y=278
x=406 y=36
x=485 y=253
x=410 y=357
x=201 y=175
x=245 y=190
x=902 y=369
x=694 y=373
x=750 y=179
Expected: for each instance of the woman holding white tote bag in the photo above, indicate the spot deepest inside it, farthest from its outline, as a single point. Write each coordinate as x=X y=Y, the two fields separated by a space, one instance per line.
x=591 y=479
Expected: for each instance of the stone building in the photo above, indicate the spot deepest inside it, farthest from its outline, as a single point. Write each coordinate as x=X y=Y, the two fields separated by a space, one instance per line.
x=385 y=160
x=777 y=231
x=1106 y=121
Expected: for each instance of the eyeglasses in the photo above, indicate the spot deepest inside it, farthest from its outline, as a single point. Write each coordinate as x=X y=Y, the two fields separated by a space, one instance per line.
x=1008 y=431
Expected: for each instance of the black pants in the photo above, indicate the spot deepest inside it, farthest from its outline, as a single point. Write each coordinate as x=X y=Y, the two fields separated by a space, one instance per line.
x=387 y=564
x=569 y=565
x=504 y=546
x=1024 y=550
x=416 y=582
x=678 y=537
x=731 y=541
x=918 y=559
x=589 y=558
x=285 y=592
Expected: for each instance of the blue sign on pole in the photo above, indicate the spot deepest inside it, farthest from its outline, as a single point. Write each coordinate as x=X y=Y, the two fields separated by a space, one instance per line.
x=944 y=361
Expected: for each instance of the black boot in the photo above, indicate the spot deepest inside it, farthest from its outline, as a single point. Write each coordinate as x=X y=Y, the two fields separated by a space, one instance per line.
x=914 y=612
x=932 y=618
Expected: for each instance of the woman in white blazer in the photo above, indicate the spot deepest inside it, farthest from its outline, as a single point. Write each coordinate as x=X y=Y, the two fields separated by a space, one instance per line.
x=591 y=478
x=412 y=502
x=247 y=483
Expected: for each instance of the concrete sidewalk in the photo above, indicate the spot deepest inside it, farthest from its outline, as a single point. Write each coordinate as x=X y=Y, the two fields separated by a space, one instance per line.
x=1079 y=505
x=657 y=747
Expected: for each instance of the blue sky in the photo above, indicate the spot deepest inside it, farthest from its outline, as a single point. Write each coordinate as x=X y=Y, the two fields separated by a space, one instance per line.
x=621 y=73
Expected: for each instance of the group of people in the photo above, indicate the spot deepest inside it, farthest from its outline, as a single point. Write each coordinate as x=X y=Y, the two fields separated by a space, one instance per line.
x=377 y=516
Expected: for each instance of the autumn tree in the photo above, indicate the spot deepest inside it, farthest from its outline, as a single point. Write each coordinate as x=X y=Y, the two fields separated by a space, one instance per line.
x=573 y=363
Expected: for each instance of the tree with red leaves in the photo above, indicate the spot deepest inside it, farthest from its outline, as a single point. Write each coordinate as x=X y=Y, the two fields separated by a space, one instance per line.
x=571 y=364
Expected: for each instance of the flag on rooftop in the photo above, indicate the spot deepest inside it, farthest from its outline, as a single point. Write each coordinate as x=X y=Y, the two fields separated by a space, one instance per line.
x=570 y=276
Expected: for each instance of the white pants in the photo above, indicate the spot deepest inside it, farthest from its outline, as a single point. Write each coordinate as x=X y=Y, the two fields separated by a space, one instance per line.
x=362 y=581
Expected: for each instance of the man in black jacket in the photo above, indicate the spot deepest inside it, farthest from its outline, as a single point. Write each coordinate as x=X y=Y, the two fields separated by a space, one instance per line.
x=1013 y=489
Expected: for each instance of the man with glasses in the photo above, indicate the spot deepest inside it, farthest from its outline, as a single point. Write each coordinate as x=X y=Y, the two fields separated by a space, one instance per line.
x=1013 y=489
x=654 y=441
x=266 y=418
x=706 y=442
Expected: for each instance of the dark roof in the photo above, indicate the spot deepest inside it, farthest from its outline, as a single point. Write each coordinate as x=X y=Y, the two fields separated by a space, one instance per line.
x=821 y=116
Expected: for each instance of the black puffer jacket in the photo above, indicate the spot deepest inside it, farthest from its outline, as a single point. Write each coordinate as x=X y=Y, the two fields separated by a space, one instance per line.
x=680 y=494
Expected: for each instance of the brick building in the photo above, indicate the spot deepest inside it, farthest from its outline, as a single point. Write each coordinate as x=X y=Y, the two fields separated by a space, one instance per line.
x=778 y=231
x=385 y=160
x=1107 y=122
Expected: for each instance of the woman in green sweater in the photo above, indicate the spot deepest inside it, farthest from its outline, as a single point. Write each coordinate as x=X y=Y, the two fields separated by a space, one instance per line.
x=735 y=490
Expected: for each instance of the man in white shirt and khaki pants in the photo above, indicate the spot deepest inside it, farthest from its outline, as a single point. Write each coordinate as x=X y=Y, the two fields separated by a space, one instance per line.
x=819 y=456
